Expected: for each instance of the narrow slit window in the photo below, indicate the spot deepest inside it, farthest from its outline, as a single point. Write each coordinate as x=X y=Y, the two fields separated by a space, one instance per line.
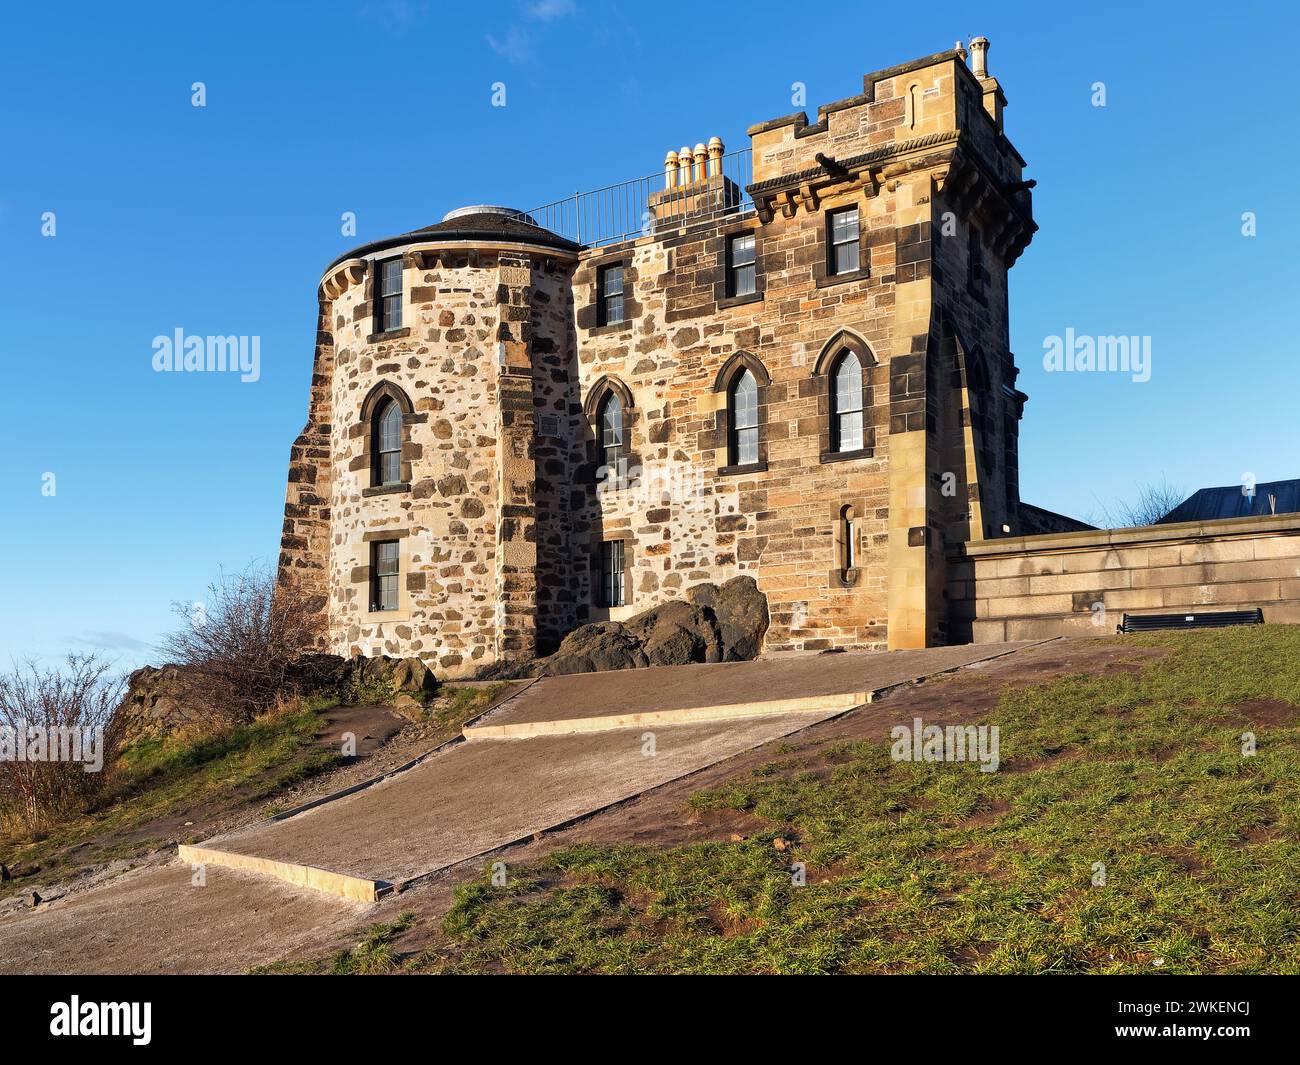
x=846 y=404
x=848 y=540
x=390 y=295
x=844 y=233
x=611 y=573
x=976 y=259
x=743 y=445
x=741 y=270
x=385 y=567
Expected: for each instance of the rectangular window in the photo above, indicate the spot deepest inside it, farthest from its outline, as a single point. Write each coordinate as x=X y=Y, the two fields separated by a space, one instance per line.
x=384 y=572
x=611 y=573
x=844 y=233
x=976 y=258
x=388 y=298
x=609 y=295
x=741 y=274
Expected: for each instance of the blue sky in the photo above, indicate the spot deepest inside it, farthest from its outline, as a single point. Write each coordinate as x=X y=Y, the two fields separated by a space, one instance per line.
x=220 y=219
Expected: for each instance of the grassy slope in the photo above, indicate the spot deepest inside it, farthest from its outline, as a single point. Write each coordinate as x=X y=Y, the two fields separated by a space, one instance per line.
x=942 y=868
x=159 y=781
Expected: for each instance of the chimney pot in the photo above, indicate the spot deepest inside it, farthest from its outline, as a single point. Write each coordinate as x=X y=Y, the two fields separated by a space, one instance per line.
x=715 y=156
x=979 y=48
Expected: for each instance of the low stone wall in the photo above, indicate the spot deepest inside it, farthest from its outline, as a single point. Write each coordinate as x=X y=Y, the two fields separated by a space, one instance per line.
x=1082 y=583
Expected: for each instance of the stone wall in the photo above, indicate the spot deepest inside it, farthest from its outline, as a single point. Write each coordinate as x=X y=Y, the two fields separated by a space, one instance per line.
x=464 y=512
x=1081 y=583
x=305 y=538
x=501 y=364
x=892 y=149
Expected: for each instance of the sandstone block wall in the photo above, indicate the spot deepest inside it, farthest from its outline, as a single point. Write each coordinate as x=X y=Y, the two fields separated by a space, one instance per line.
x=1082 y=583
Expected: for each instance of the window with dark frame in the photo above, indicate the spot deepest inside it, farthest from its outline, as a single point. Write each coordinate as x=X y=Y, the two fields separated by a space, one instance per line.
x=609 y=294
x=846 y=404
x=742 y=444
x=387 y=444
x=385 y=569
x=741 y=270
x=844 y=233
x=611 y=435
x=611 y=573
x=389 y=297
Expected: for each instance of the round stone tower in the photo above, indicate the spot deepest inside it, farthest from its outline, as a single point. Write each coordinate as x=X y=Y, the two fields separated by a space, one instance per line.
x=413 y=514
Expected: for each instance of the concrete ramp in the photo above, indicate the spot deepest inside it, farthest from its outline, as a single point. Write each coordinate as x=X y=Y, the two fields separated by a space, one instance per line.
x=560 y=750
x=673 y=695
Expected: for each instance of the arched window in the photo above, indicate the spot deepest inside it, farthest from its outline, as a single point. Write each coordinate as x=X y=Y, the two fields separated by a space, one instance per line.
x=742 y=402
x=846 y=403
x=612 y=442
x=387 y=443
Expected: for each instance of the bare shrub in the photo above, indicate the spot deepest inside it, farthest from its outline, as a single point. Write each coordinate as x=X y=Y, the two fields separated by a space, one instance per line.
x=65 y=717
x=237 y=650
x=1153 y=502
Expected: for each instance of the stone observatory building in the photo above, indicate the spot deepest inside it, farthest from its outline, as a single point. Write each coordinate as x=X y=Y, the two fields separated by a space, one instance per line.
x=791 y=362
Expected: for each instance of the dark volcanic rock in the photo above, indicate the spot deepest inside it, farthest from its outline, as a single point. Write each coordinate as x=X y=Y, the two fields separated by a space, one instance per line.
x=714 y=624
x=741 y=610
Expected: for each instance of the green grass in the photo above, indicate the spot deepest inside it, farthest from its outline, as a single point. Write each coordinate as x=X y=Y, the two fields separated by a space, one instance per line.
x=916 y=867
x=462 y=703
x=373 y=956
x=161 y=778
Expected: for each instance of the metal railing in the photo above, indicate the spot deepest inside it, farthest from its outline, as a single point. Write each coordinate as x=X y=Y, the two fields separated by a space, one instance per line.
x=641 y=206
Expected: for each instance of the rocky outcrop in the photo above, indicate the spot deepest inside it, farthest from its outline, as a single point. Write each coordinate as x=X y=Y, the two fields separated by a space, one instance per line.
x=382 y=679
x=156 y=704
x=714 y=624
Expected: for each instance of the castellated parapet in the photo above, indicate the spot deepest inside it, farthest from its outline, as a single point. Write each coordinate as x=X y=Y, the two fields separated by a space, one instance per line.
x=805 y=378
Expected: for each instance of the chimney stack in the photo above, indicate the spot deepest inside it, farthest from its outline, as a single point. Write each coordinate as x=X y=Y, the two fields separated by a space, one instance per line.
x=994 y=101
x=688 y=165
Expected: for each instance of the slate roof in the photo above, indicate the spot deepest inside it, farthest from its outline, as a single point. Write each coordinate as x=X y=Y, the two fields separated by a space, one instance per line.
x=1206 y=504
x=488 y=226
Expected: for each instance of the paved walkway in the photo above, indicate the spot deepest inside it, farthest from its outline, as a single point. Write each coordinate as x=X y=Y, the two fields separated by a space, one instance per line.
x=155 y=920
x=465 y=801
x=665 y=689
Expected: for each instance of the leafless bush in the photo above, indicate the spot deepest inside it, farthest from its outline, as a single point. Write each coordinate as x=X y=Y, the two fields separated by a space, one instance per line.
x=58 y=737
x=237 y=650
x=1153 y=502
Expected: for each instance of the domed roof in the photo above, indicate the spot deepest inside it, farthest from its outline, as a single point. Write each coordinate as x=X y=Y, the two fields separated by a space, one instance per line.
x=481 y=222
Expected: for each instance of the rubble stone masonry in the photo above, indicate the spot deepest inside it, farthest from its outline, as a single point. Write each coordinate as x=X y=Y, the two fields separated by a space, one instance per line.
x=502 y=363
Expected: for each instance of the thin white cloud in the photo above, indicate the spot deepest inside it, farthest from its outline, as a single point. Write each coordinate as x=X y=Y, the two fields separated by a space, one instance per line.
x=110 y=640
x=519 y=46
x=549 y=10
x=515 y=47
x=395 y=15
